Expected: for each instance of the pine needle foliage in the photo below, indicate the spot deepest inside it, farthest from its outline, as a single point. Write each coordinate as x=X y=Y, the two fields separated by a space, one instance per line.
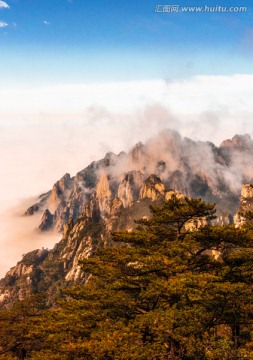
x=174 y=288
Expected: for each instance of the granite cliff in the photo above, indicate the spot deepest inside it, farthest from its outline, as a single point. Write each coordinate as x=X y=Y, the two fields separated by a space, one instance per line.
x=198 y=169
x=111 y=193
x=245 y=206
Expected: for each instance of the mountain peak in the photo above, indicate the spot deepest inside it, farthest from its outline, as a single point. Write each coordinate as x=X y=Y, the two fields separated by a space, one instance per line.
x=136 y=152
x=238 y=142
x=152 y=180
x=109 y=194
x=193 y=168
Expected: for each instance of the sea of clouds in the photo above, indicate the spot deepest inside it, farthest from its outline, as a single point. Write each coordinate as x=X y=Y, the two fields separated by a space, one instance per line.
x=46 y=132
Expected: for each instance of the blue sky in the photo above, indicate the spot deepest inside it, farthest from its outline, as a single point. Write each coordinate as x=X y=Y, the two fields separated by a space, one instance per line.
x=77 y=41
x=82 y=77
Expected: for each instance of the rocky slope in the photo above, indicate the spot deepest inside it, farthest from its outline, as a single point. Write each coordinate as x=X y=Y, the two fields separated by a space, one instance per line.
x=192 y=168
x=51 y=270
x=109 y=194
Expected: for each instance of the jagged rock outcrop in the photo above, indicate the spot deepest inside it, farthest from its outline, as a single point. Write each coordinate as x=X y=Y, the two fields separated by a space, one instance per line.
x=104 y=194
x=50 y=270
x=60 y=192
x=197 y=169
x=32 y=209
x=246 y=194
x=129 y=187
x=238 y=142
x=40 y=205
x=246 y=204
x=111 y=193
x=137 y=153
x=153 y=188
x=46 y=221
x=21 y=280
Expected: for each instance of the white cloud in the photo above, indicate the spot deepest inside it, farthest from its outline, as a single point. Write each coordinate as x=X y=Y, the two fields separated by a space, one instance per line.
x=4 y=5
x=46 y=22
x=3 y=24
x=63 y=128
x=188 y=97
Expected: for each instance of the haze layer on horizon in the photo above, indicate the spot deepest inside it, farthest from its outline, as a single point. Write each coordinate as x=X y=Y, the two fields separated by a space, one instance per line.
x=80 y=78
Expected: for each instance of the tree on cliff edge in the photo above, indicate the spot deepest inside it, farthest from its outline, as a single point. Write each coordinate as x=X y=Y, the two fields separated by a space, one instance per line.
x=166 y=291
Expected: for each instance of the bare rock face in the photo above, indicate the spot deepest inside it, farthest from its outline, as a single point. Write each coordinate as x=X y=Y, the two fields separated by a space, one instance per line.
x=196 y=169
x=46 y=221
x=61 y=191
x=153 y=188
x=104 y=194
x=246 y=204
x=238 y=142
x=50 y=270
x=137 y=153
x=92 y=209
x=116 y=206
x=247 y=193
x=69 y=195
x=40 y=205
x=170 y=193
x=129 y=187
x=21 y=280
x=32 y=209
x=111 y=193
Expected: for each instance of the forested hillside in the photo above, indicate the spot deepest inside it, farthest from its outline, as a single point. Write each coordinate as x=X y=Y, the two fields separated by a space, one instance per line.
x=174 y=288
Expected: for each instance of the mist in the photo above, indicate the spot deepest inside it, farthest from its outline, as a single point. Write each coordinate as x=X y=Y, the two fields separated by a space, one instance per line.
x=19 y=235
x=40 y=141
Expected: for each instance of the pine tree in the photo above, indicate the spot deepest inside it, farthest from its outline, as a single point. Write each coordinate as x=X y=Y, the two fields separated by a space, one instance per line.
x=17 y=324
x=174 y=288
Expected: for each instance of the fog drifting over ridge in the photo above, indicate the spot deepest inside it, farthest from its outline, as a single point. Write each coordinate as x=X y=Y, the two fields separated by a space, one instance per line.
x=47 y=132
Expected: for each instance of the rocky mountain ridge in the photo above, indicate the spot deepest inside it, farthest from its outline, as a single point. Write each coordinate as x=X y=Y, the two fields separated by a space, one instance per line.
x=197 y=169
x=50 y=270
x=111 y=193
